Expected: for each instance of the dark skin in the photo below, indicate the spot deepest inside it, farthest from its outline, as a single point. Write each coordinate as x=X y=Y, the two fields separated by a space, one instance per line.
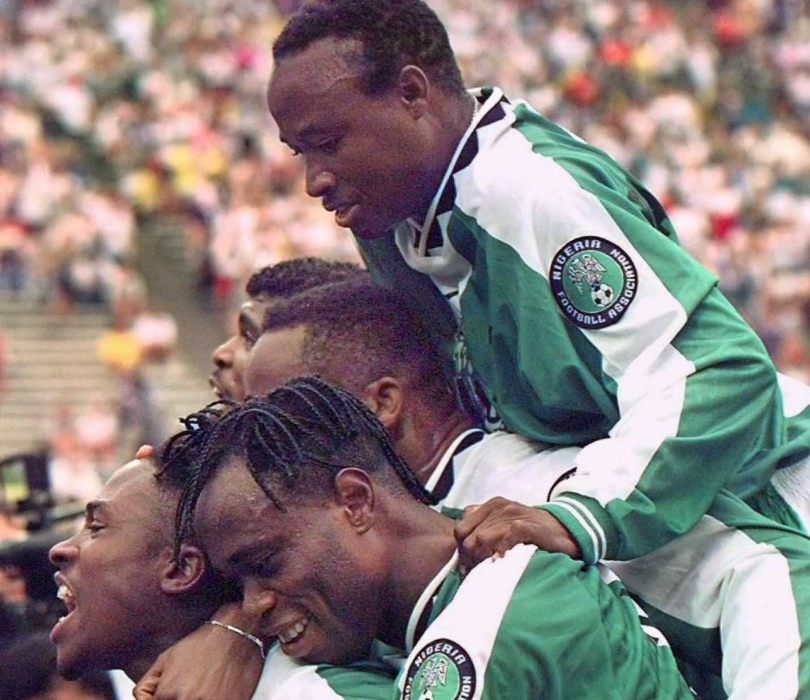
x=493 y=528
x=373 y=162
x=230 y=358
x=366 y=174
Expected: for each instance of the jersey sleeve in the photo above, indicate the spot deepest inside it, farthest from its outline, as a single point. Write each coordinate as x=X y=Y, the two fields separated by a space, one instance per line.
x=601 y=313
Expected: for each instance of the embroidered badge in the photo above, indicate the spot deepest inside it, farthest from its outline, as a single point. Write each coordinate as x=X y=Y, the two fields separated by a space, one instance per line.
x=442 y=670
x=593 y=281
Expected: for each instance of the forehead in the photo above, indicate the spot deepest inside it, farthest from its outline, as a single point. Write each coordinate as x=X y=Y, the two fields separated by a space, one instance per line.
x=231 y=500
x=134 y=479
x=232 y=511
x=275 y=359
x=132 y=495
x=312 y=78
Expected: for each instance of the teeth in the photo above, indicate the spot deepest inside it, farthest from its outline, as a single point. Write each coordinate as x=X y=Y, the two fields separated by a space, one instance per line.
x=66 y=596
x=288 y=635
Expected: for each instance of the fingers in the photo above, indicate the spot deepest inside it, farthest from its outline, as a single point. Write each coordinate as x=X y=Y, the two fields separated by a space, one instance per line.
x=490 y=530
x=475 y=515
x=146 y=687
x=144 y=451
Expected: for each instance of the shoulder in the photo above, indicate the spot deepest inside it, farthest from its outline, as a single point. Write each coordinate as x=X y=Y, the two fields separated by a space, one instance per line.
x=284 y=678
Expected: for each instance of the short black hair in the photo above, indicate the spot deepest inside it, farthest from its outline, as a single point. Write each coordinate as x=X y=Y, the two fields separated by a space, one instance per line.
x=293 y=441
x=288 y=277
x=357 y=332
x=392 y=34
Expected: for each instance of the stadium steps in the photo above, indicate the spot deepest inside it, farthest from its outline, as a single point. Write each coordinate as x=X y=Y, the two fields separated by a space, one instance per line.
x=163 y=261
x=51 y=360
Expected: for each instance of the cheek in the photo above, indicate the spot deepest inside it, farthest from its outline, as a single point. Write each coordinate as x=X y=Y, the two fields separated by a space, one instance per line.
x=240 y=361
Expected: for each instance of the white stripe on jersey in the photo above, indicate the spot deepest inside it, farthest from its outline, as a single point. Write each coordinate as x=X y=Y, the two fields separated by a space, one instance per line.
x=469 y=623
x=285 y=679
x=734 y=583
x=507 y=465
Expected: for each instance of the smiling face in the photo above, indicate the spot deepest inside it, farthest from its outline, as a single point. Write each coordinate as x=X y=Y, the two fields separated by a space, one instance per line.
x=371 y=160
x=109 y=575
x=314 y=578
x=231 y=358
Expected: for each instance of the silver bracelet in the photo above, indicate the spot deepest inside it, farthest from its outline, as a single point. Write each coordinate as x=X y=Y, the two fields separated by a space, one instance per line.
x=247 y=635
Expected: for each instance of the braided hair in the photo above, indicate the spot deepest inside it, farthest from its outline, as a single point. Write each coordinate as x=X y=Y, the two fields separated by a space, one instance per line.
x=294 y=439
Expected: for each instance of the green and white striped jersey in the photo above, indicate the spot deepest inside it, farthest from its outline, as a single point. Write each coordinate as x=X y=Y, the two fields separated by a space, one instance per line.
x=284 y=678
x=534 y=625
x=587 y=324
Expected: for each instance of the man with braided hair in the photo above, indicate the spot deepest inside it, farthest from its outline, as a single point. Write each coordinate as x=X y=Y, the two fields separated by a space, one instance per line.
x=131 y=591
x=584 y=320
x=368 y=340
x=301 y=496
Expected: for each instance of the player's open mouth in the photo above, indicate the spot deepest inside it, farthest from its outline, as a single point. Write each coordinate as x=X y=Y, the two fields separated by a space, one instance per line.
x=215 y=387
x=65 y=594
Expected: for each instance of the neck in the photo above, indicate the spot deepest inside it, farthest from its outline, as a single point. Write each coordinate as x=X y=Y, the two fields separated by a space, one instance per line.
x=452 y=118
x=423 y=443
x=422 y=543
x=146 y=651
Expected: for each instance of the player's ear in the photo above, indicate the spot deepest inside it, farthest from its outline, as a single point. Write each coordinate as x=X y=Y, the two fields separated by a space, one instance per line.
x=355 y=494
x=414 y=86
x=183 y=573
x=385 y=398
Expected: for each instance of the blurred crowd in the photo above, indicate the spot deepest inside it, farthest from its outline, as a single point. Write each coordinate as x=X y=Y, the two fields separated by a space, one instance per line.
x=115 y=114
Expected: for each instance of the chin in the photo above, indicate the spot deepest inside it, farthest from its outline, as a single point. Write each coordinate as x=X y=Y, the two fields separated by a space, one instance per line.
x=68 y=668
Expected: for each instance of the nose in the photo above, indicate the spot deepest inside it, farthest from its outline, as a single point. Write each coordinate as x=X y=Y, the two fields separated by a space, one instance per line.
x=62 y=552
x=320 y=181
x=257 y=599
x=223 y=354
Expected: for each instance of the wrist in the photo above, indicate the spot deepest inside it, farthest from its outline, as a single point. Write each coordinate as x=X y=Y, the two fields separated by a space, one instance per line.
x=240 y=632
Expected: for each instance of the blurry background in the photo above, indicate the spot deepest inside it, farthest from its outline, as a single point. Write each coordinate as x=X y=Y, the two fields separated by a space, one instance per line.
x=142 y=181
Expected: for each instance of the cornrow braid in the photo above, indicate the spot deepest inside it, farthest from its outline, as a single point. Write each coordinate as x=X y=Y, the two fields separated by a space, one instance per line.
x=179 y=458
x=295 y=436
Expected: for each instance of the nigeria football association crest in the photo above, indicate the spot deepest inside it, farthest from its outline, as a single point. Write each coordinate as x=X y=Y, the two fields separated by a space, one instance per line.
x=593 y=281
x=442 y=670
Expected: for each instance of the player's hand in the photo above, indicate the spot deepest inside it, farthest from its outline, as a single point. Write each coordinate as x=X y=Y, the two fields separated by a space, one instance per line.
x=491 y=529
x=211 y=663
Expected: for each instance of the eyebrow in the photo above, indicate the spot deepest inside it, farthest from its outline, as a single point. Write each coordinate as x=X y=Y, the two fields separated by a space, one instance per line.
x=307 y=135
x=247 y=323
x=92 y=507
x=249 y=553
